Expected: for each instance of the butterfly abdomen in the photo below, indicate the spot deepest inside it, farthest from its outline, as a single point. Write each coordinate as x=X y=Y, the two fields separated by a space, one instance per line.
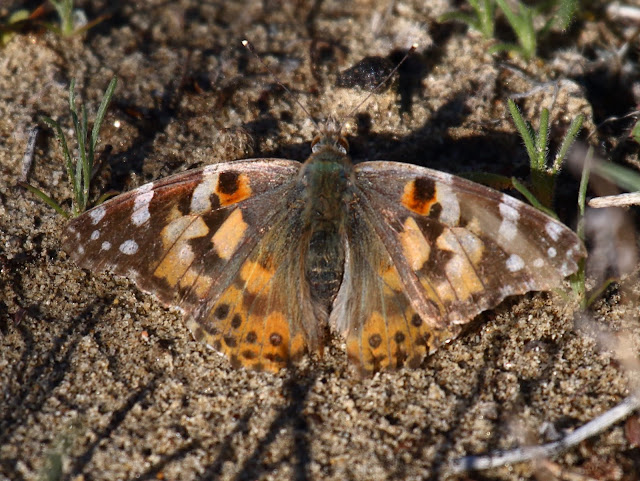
x=326 y=177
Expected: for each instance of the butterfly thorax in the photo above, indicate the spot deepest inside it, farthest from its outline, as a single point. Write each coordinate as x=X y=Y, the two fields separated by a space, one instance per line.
x=326 y=176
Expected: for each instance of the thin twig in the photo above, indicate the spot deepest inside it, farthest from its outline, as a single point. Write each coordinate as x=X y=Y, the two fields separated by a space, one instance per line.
x=616 y=11
x=620 y=200
x=597 y=425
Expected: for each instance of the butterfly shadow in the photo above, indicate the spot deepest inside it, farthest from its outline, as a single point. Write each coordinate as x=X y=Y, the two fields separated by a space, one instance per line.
x=296 y=389
x=35 y=385
x=141 y=395
x=479 y=380
x=291 y=417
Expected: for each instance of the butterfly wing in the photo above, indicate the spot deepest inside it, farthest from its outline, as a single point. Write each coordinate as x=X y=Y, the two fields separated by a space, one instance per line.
x=439 y=250
x=199 y=240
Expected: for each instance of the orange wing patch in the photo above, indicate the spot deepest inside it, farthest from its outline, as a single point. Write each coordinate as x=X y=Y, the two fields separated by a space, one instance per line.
x=415 y=247
x=420 y=195
x=392 y=334
x=250 y=322
x=232 y=188
x=227 y=238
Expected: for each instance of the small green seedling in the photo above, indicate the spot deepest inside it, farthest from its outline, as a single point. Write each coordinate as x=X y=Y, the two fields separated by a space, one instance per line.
x=482 y=19
x=522 y=20
x=64 y=9
x=543 y=175
x=72 y=21
x=79 y=169
x=522 y=23
x=578 y=280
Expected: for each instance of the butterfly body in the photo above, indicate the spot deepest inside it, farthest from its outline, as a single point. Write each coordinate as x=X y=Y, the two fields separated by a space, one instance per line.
x=327 y=181
x=264 y=255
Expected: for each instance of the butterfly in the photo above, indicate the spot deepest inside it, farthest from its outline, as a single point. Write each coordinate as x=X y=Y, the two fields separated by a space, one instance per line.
x=265 y=256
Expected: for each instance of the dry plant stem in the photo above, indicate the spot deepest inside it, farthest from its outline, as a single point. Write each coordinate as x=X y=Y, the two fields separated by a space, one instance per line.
x=620 y=200
x=597 y=425
x=27 y=159
x=616 y=11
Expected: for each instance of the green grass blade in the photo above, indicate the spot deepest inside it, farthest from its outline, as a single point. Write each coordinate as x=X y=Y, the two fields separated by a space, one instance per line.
x=65 y=151
x=532 y=198
x=495 y=181
x=582 y=192
x=506 y=10
x=45 y=198
x=523 y=129
x=527 y=33
x=565 y=14
x=542 y=141
x=567 y=142
x=577 y=283
x=578 y=279
x=102 y=110
x=635 y=132
x=79 y=178
x=621 y=176
x=463 y=17
x=72 y=95
x=486 y=17
x=64 y=9
x=84 y=161
x=106 y=196
x=506 y=47
x=599 y=291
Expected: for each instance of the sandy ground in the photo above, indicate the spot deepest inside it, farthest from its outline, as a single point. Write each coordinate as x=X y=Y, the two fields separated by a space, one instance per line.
x=100 y=381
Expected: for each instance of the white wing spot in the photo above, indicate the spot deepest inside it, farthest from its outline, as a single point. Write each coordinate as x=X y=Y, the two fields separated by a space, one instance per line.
x=141 y=205
x=97 y=214
x=509 y=226
x=95 y=235
x=106 y=245
x=551 y=252
x=185 y=253
x=505 y=291
x=80 y=250
x=450 y=214
x=514 y=263
x=538 y=263
x=554 y=230
x=201 y=197
x=128 y=247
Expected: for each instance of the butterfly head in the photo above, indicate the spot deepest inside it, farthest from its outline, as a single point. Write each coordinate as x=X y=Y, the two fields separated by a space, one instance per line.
x=330 y=136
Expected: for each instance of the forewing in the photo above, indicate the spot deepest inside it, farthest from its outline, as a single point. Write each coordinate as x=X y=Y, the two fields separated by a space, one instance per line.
x=456 y=248
x=188 y=239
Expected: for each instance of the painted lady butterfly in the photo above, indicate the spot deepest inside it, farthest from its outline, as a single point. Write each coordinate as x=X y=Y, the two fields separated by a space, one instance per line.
x=264 y=255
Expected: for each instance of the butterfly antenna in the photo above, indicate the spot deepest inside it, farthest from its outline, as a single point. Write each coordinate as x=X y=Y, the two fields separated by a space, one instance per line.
x=251 y=49
x=379 y=86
